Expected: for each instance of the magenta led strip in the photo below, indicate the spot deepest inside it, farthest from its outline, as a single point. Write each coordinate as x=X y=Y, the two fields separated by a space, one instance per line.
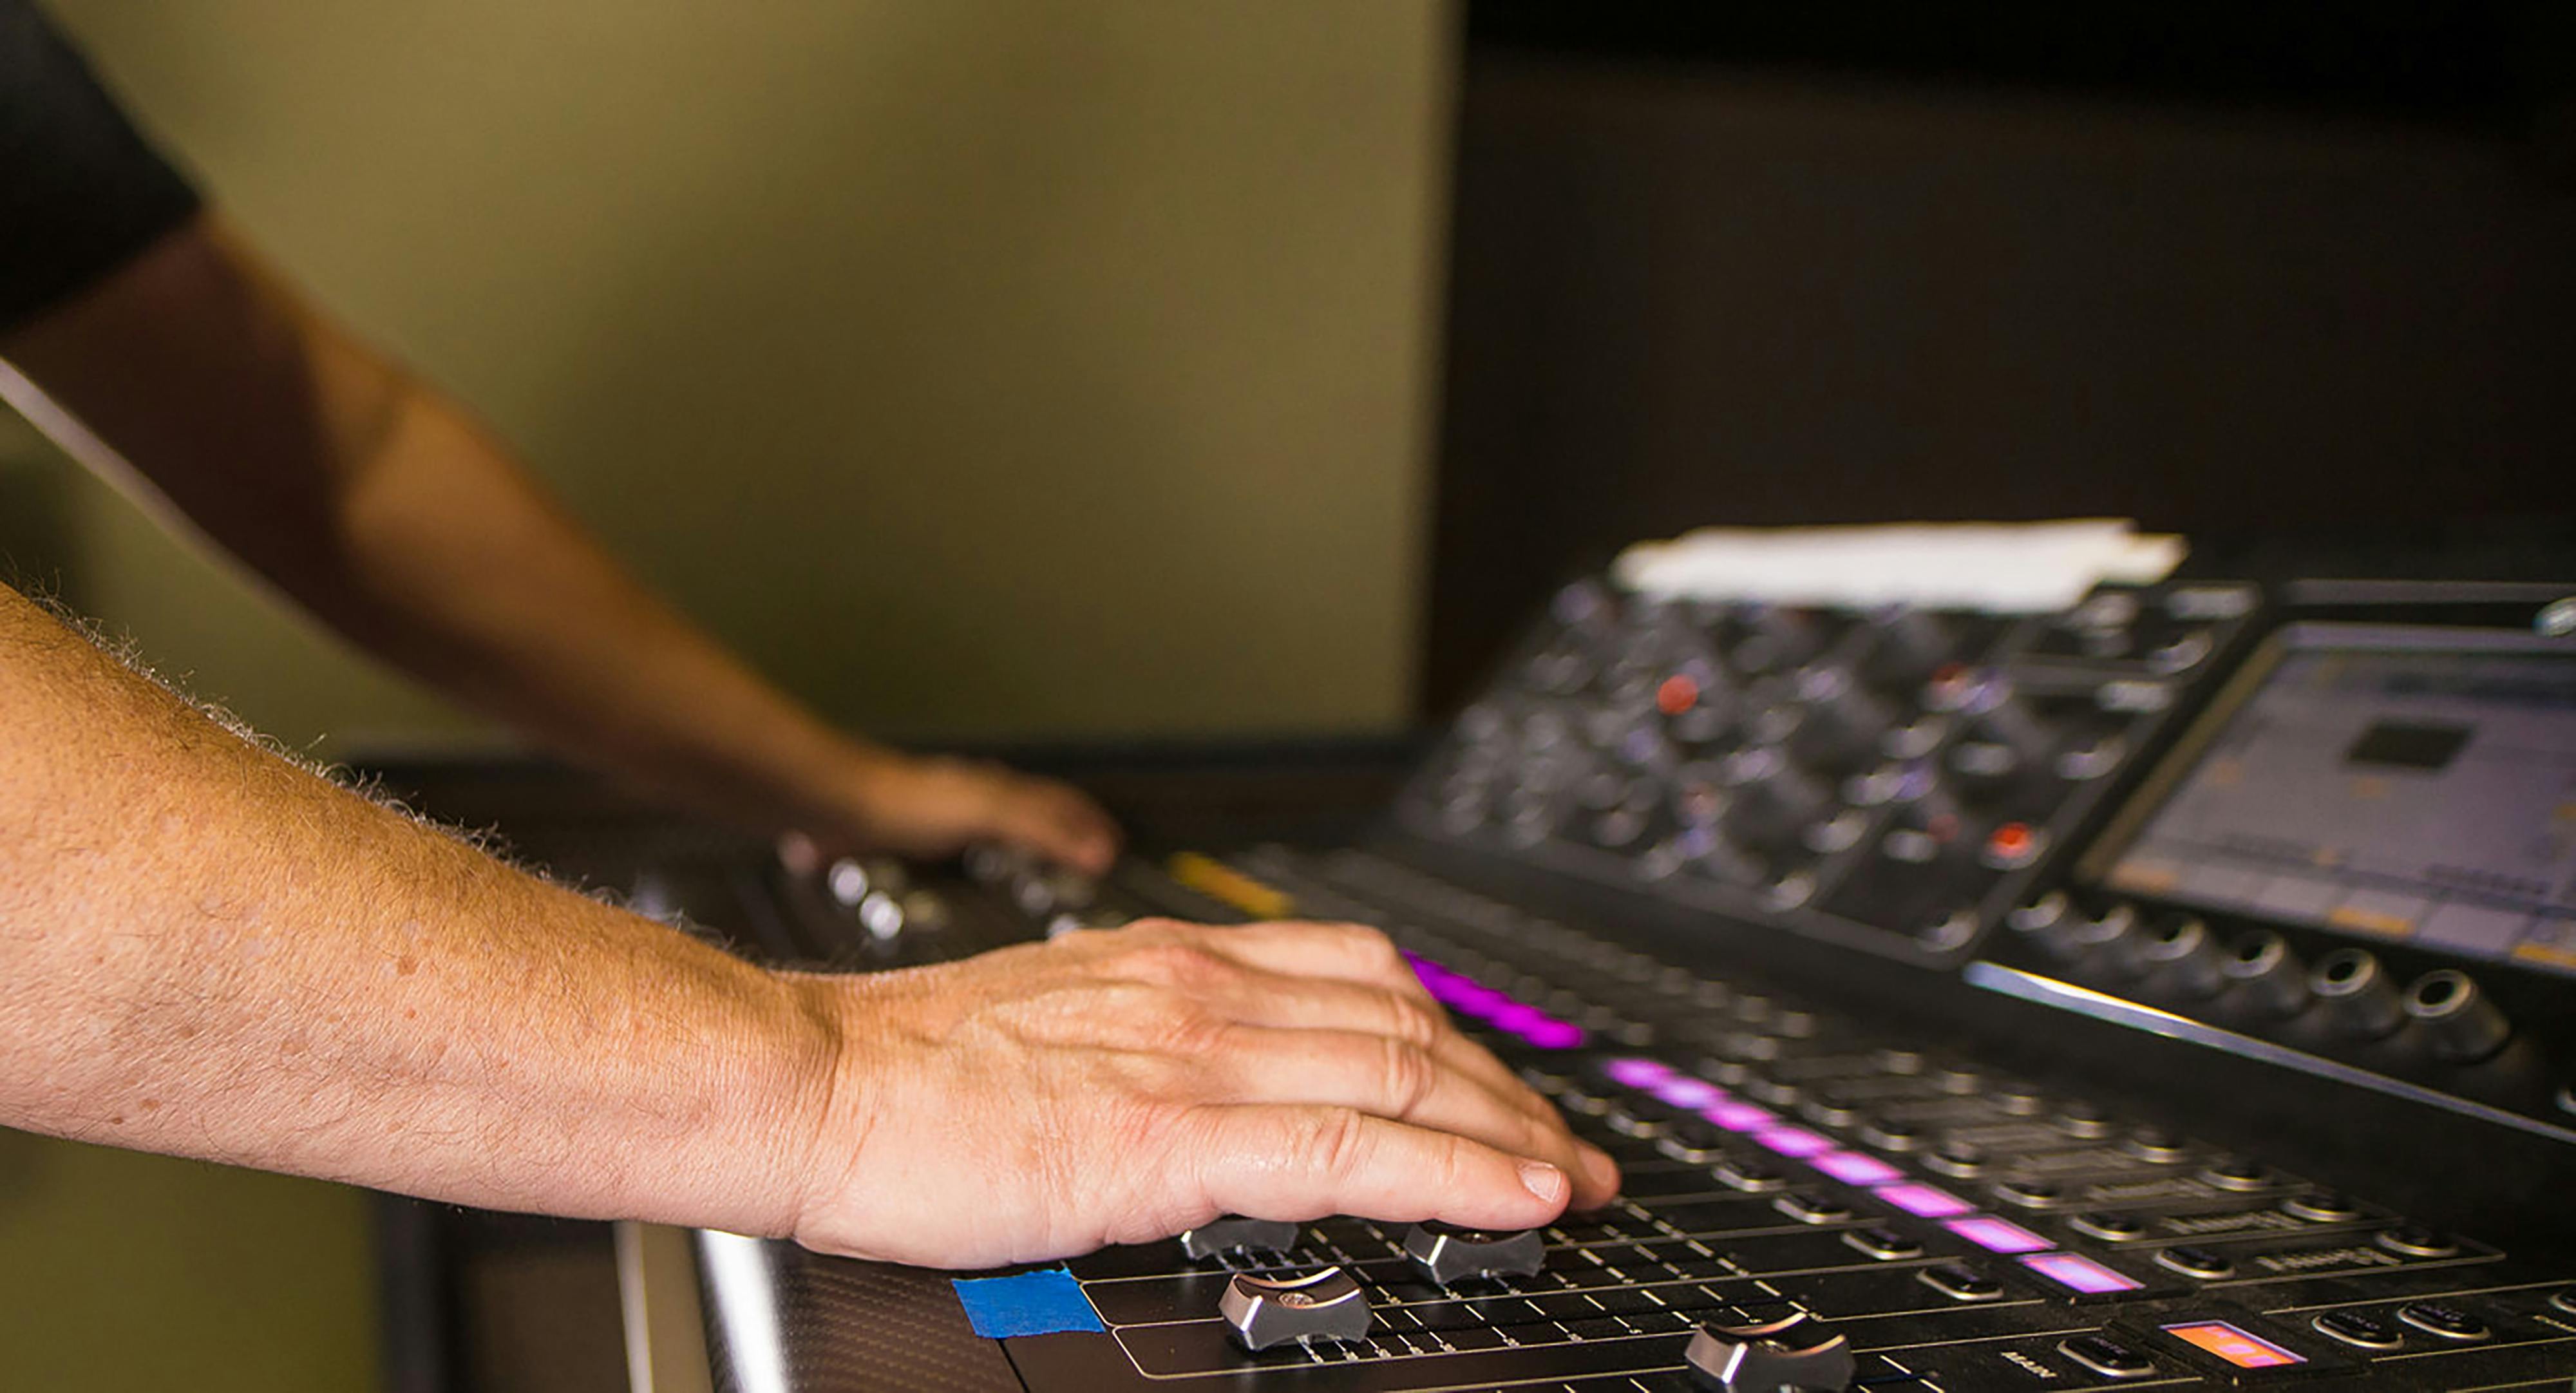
x=1468 y=997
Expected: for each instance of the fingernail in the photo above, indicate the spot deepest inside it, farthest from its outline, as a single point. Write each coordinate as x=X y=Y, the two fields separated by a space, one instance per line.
x=1543 y=1180
x=1597 y=1164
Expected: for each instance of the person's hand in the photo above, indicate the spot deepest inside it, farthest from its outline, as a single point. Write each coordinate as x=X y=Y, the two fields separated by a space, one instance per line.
x=932 y=806
x=1121 y=1086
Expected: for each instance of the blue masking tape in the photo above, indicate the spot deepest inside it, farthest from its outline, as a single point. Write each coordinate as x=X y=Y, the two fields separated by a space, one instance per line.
x=1044 y=1302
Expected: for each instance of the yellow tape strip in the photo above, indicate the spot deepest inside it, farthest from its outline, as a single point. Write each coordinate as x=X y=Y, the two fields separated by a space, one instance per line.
x=1219 y=881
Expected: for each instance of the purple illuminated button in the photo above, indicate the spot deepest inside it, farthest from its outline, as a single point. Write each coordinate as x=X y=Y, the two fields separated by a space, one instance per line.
x=1516 y=1017
x=1793 y=1141
x=1923 y=1201
x=1997 y=1235
x=1852 y=1168
x=1739 y=1117
x=2080 y=1274
x=1637 y=1073
x=1683 y=1091
x=1479 y=1001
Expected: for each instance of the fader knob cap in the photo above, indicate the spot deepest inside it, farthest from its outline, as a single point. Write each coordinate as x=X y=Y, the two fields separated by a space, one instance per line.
x=1266 y=1311
x=1790 y=1355
x=2461 y=1024
x=1233 y=1233
x=1446 y=1253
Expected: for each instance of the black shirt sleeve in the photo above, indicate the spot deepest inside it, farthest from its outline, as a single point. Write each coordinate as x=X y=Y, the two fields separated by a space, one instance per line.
x=81 y=192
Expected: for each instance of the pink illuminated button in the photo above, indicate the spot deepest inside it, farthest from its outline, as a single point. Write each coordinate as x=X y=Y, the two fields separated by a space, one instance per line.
x=1997 y=1235
x=1923 y=1201
x=1739 y=1117
x=1792 y=1141
x=2237 y=1347
x=2080 y=1274
x=1637 y=1073
x=1683 y=1091
x=1852 y=1168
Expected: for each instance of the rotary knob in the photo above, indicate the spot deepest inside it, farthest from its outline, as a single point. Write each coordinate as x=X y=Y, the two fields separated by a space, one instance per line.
x=2352 y=989
x=2181 y=959
x=2107 y=941
x=1787 y=1355
x=1769 y=803
x=2048 y=923
x=2005 y=743
x=2461 y=1024
x=1906 y=646
x=1929 y=828
x=1447 y=1254
x=1839 y=725
x=2266 y=976
x=1235 y=1234
x=1768 y=638
x=1266 y=1311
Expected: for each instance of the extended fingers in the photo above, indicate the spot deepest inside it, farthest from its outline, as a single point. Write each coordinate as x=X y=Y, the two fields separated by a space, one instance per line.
x=1294 y=1162
x=1389 y=1078
x=1269 y=999
x=1222 y=980
x=1343 y=952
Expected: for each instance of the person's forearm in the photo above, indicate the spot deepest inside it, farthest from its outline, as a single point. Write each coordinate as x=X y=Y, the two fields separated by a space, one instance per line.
x=456 y=568
x=370 y=498
x=212 y=953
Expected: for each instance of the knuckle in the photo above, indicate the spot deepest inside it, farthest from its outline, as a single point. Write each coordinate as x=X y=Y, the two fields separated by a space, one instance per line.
x=1158 y=1079
x=1456 y=1165
x=1176 y=962
x=1191 y=1033
x=1330 y=1141
x=1417 y=1023
x=1408 y=1075
x=1369 y=946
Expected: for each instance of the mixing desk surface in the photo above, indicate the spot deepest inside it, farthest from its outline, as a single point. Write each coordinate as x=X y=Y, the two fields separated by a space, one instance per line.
x=2178 y=990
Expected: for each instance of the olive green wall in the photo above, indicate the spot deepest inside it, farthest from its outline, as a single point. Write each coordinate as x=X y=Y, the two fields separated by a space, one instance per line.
x=980 y=367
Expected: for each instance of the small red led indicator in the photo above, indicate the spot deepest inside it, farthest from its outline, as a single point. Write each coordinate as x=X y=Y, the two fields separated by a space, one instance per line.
x=1677 y=695
x=2013 y=843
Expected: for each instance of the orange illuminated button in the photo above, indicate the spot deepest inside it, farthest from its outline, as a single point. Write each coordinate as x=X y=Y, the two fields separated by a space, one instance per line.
x=2237 y=1347
x=1677 y=694
x=2014 y=844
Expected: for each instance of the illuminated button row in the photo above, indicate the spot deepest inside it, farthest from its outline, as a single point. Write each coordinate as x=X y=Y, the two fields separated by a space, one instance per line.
x=1473 y=999
x=2073 y=1272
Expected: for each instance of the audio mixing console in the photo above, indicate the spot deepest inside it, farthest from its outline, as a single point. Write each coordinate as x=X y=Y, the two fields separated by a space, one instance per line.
x=2178 y=990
